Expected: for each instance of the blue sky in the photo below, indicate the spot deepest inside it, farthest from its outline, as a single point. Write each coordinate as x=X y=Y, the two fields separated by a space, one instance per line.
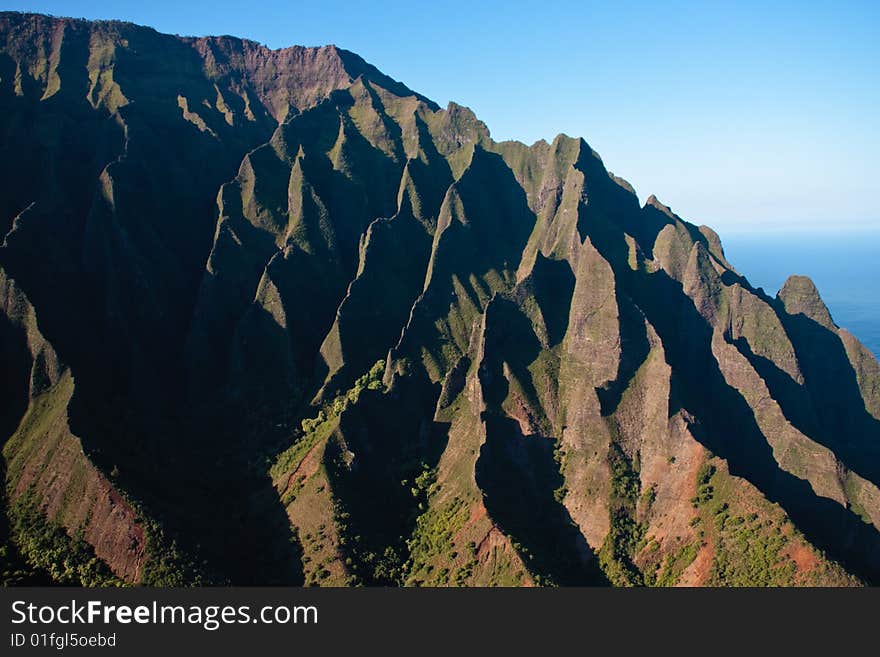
x=743 y=115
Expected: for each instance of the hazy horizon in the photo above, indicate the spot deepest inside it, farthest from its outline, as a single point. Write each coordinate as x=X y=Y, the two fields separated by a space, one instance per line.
x=841 y=266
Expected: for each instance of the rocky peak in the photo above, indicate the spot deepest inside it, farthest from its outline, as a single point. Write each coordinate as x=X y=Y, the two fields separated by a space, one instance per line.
x=654 y=202
x=800 y=296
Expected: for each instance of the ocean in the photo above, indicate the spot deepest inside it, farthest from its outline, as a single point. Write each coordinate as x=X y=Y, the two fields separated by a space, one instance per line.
x=843 y=266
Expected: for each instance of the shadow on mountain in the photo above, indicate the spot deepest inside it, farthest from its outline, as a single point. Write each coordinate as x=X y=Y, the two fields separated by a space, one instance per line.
x=552 y=282
x=519 y=474
x=474 y=257
x=791 y=396
x=379 y=299
x=634 y=350
x=385 y=442
x=846 y=427
x=15 y=368
x=216 y=502
x=726 y=424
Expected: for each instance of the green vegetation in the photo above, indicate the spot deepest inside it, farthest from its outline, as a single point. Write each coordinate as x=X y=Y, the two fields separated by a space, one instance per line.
x=705 y=490
x=388 y=566
x=14 y=570
x=372 y=380
x=749 y=553
x=750 y=549
x=432 y=542
x=167 y=564
x=316 y=541
x=48 y=549
x=319 y=427
x=625 y=534
x=624 y=479
x=318 y=555
x=676 y=563
x=747 y=549
x=851 y=487
x=648 y=496
x=377 y=499
x=365 y=565
x=290 y=458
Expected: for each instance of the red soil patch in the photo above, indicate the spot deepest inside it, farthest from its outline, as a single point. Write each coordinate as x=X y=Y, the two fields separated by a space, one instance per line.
x=307 y=467
x=802 y=556
x=75 y=494
x=478 y=512
x=702 y=566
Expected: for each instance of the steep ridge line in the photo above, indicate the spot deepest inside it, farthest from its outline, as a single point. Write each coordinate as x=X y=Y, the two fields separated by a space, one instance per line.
x=220 y=241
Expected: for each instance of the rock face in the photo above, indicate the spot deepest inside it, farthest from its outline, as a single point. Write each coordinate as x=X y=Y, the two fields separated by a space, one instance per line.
x=270 y=317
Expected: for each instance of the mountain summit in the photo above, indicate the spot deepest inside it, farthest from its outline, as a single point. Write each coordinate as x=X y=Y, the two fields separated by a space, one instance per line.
x=271 y=317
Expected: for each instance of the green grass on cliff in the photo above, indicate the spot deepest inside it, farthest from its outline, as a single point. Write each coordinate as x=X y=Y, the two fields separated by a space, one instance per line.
x=317 y=428
x=754 y=544
x=625 y=533
x=50 y=551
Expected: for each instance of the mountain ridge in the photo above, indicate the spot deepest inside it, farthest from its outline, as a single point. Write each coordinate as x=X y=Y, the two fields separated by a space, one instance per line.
x=311 y=311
